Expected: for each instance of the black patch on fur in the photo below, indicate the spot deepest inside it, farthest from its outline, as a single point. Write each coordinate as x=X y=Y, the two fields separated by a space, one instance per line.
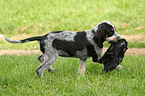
x=108 y=30
x=114 y=55
x=92 y=53
x=80 y=42
x=38 y=38
x=103 y=30
x=42 y=43
x=57 y=31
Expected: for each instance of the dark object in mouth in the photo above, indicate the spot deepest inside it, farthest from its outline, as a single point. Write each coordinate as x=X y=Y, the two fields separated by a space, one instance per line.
x=114 y=55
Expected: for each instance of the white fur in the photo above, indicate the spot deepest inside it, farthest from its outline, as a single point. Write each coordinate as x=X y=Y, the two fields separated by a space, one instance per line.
x=120 y=67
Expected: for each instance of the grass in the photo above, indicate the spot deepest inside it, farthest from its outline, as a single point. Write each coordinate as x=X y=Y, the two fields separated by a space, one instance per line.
x=35 y=17
x=18 y=78
x=26 y=46
x=21 y=18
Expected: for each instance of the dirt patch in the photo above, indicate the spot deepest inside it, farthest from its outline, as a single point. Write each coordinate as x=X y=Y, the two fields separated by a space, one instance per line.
x=19 y=52
x=134 y=38
x=130 y=51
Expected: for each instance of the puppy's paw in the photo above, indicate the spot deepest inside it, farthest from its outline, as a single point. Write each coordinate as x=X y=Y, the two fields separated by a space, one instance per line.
x=51 y=70
x=120 y=67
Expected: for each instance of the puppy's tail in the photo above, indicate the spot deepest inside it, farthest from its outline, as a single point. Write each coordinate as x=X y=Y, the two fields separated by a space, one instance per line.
x=38 y=38
x=1 y=36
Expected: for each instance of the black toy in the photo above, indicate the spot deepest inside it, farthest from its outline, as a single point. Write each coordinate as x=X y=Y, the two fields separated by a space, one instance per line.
x=114 y=55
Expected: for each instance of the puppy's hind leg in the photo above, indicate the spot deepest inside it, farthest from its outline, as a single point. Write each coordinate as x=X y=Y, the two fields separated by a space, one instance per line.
x=41 y=59
x=51 y=69
x=49 y=59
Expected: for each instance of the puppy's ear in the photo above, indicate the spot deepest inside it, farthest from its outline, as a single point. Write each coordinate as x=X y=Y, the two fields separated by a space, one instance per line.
x=99 y=36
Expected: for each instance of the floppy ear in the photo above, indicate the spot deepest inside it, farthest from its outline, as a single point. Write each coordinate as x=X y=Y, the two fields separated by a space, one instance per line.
x=99 y=36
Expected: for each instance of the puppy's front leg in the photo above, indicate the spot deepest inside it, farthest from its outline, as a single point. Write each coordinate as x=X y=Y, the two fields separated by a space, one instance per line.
x=82 y=68
x=99 y=52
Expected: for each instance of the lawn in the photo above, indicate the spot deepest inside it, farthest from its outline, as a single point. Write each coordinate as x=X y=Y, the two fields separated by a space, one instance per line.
x=17 y=77
x=37 y=17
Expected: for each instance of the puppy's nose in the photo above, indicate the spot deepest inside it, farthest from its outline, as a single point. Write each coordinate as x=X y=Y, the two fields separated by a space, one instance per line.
x=117 y=38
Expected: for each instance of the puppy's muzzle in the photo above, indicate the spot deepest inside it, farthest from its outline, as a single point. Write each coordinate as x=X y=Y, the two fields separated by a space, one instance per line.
x=117 y=38
x=114 y=38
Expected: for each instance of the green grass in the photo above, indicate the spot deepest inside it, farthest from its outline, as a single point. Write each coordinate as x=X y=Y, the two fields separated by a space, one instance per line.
x=18 y=78
x=26 y=46
x=37 y=17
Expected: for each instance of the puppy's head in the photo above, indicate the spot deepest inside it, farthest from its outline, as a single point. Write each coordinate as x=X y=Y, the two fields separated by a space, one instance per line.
x=106 y=32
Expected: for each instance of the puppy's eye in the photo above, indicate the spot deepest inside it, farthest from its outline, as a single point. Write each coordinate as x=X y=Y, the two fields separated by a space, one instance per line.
x=111 y=33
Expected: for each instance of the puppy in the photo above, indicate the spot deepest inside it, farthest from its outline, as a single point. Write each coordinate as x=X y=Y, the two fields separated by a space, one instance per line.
x=81 y=45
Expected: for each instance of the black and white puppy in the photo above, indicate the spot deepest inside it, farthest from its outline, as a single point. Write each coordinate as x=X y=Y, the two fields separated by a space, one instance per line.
x=81 y=45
